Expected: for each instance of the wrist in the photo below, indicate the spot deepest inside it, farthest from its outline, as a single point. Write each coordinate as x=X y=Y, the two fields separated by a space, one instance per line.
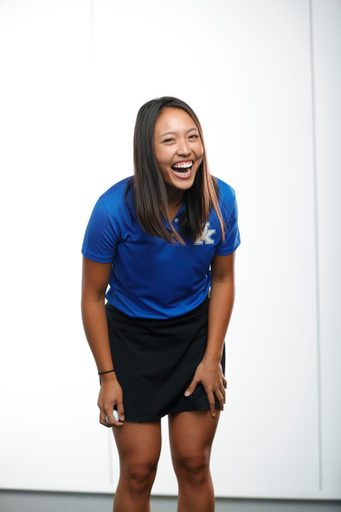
x=212 y=358
x=104 y=373
x=108 y=377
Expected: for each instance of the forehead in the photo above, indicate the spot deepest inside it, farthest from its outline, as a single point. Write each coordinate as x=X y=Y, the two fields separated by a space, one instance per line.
x=173 y=119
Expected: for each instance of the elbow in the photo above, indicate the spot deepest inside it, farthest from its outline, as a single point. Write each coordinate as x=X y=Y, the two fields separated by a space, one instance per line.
x=91 y=296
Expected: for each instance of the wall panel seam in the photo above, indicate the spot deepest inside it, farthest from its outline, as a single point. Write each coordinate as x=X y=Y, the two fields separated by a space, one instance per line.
x=317 y=262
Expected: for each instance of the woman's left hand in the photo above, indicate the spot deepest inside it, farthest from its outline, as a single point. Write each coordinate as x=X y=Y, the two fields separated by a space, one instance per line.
x=210 y=374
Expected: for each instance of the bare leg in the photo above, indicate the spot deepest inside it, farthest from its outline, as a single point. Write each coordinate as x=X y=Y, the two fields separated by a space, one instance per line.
x=139 y=446
x=191 y=435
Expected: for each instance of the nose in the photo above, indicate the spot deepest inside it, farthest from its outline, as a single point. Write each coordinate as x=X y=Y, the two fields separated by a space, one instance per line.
x=183 y=147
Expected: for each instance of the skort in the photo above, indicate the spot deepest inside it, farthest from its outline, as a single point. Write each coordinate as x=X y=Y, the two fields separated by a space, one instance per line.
x=155 y=361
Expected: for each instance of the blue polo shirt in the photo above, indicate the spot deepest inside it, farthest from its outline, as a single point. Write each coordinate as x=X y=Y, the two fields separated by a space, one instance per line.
x=151 y=278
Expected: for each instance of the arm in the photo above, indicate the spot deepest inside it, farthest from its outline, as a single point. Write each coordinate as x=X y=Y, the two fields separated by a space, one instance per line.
x=209 y=371
x=94 y=284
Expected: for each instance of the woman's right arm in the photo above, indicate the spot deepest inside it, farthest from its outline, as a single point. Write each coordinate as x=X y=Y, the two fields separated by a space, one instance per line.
x=94 y=284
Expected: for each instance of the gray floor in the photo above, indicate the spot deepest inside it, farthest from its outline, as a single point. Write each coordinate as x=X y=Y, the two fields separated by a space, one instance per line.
x=29 y=501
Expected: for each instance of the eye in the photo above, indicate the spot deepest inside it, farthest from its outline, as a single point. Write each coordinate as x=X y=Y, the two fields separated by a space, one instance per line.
x=194 y=136
x=168 y=140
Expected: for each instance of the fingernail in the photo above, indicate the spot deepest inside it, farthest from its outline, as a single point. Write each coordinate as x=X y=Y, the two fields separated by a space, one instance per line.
x=187 y=393
x=122 y=418
x=213 y=414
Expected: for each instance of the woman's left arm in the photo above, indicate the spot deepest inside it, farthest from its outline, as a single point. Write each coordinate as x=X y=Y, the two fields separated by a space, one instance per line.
x=209 y=372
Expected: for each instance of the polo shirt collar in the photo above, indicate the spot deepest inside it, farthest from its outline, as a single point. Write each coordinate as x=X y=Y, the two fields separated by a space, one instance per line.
x=177 y=215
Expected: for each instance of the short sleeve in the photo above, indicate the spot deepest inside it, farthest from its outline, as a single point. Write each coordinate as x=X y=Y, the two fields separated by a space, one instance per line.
x=101 y=235
x=232 y=235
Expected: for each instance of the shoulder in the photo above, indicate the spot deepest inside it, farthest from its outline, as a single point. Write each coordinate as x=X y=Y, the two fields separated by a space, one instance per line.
x=109 y=217
x=115 y=198
x=227 y=201
x=227 y=194
x=116 y=192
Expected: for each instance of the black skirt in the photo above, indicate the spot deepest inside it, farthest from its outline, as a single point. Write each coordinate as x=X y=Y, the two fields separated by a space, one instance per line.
x=155 y=361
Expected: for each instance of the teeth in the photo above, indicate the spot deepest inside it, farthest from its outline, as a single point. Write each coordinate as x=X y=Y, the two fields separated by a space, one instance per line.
x=183 y=174
x=184 y=165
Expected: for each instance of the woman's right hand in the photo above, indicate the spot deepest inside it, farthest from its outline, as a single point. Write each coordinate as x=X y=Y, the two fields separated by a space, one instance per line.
x=110 y=395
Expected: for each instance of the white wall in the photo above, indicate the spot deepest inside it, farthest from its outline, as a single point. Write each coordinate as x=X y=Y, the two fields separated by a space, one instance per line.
x=75 y=74
x=327 y=53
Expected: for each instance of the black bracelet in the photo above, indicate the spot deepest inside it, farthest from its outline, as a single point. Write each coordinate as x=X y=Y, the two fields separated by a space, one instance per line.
x=102 y=373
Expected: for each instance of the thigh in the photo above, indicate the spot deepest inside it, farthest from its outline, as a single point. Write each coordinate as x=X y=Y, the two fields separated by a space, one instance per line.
x=191 y=434
x=138 y=443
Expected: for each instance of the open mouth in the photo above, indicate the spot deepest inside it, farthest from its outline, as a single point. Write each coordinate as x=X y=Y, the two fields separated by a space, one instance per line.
x=183 y=169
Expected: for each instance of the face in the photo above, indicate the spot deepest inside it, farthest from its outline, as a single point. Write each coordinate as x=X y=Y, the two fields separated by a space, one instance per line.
x=178 y=149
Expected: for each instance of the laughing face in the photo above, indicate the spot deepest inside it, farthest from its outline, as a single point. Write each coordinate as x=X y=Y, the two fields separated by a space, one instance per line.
x=178 y=150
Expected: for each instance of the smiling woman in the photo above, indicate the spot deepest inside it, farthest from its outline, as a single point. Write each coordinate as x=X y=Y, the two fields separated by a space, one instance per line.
x=168 y=133
x=159 y=340
x=179 y=152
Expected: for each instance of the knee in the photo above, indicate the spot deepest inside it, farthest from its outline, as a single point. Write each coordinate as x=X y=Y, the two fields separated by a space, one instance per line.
x=140 y=475
x=193 y=469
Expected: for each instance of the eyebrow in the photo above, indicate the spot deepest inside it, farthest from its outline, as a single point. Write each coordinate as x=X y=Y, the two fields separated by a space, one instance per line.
x=174 y=133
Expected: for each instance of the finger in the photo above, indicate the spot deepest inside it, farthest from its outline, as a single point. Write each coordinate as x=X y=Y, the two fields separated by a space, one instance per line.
x=221 y=401
x=211 y=402
x=191 y=387
x=224 y=382
x=120 y=410
x=222 y=391
x=220 y=398
x=103 y=419
x=112 y=419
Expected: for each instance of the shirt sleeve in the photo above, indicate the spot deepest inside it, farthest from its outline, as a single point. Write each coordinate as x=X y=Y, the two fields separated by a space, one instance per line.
x=232 y=236
x=101 y=235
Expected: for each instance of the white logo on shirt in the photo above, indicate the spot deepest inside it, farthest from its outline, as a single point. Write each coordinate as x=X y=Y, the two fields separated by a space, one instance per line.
x=206 y=238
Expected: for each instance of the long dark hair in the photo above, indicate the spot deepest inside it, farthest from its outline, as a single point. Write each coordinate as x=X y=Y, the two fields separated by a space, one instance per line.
x=149 y=191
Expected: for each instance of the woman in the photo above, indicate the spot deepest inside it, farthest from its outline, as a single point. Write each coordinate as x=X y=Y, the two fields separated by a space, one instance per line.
x=162 y=240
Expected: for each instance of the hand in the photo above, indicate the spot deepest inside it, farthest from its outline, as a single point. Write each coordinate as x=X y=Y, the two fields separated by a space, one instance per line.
x=210 y=374
x=110 y=395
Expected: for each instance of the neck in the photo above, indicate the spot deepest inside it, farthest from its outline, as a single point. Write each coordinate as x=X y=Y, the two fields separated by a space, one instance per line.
x=175 y=198
x=174 y=201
